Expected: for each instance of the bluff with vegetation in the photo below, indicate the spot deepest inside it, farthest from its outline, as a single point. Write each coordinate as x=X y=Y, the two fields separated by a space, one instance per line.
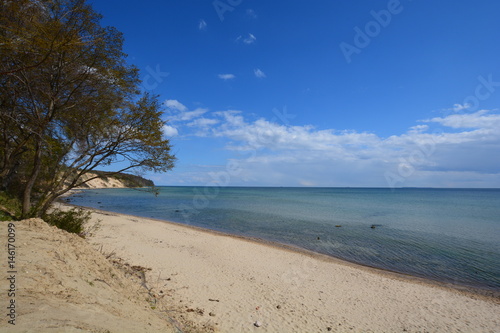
x=74 y=220
x=69 y=104
x=117 y=180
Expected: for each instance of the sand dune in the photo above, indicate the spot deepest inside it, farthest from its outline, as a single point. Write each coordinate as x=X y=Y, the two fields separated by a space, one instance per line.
x=63 y=284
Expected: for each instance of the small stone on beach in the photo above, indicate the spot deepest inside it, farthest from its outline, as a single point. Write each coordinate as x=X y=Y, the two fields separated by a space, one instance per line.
x=257 y=324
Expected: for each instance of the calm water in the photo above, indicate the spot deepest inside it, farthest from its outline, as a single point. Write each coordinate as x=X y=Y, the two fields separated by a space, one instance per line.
x=442 y=234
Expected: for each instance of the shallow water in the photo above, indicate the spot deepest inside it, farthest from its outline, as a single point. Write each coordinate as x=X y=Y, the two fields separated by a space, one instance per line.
x=449 y=235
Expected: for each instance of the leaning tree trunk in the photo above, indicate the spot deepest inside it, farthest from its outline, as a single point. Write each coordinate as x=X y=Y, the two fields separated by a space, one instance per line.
x=31 y=182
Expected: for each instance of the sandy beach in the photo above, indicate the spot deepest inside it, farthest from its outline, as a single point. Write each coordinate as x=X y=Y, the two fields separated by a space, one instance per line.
x=55 y=281
x=231 y=284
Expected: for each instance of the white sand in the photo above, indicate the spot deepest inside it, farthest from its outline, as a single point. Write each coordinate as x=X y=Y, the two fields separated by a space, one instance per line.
x=240 y=282
x=62 y=284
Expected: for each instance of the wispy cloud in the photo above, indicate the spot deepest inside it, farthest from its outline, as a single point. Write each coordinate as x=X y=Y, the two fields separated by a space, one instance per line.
x=178 y=112
x=455 y=150
x=258 y=73
x=459 y=107
x=174 y=105
x=479 y=120
x=226 y=76
x=203 y=122
x=188 y=115
x=202 y=25
x=249 y=39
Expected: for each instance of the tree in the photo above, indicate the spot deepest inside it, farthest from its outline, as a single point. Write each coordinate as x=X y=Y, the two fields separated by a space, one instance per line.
x=69 y=102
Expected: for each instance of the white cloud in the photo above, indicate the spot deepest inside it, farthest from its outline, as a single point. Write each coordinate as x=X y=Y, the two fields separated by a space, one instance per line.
x=189 y=115
x=264 y=134
x=202 y=25
x=179 y=112
x=249 y=39
x=479 y=119
x=258 y=73
x=203 y=122
x=174 y=105
x=456 y=150
x=459 y=107
x=226 y=76
x=170 y=131
x=418 y=129
x=232 y=117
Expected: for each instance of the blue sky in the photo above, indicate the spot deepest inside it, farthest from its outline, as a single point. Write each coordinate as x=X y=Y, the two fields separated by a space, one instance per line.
x=321 y=93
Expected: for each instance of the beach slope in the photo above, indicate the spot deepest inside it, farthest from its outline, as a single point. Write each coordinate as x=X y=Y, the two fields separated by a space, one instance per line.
x=239 y=285
x=60 y=283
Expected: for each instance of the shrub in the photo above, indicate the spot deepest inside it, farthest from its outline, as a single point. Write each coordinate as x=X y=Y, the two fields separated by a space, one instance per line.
x=10 y=207
x=73 y=220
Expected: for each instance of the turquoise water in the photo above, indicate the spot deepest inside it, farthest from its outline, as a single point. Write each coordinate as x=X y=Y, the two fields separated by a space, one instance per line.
x=449 y=235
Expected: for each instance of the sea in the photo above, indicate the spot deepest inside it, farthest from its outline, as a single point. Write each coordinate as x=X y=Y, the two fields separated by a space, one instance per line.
x=447 y=235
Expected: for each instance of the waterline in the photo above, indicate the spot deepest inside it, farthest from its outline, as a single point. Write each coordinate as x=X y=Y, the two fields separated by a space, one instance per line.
x=445 y=235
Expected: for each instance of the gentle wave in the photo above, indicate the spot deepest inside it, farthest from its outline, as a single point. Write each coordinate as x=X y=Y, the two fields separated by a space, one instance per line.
x=449 y=235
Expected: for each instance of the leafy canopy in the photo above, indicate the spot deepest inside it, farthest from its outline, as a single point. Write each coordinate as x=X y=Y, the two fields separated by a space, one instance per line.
x=69 y=102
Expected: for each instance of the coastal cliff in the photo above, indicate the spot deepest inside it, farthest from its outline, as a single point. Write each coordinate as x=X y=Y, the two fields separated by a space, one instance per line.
x=119 y=180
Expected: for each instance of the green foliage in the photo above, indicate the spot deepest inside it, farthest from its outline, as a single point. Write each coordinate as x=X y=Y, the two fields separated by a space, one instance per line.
x=73 y=220
x=127 y=179
x=10 y=207
x=134 y=181
x=69 y=103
